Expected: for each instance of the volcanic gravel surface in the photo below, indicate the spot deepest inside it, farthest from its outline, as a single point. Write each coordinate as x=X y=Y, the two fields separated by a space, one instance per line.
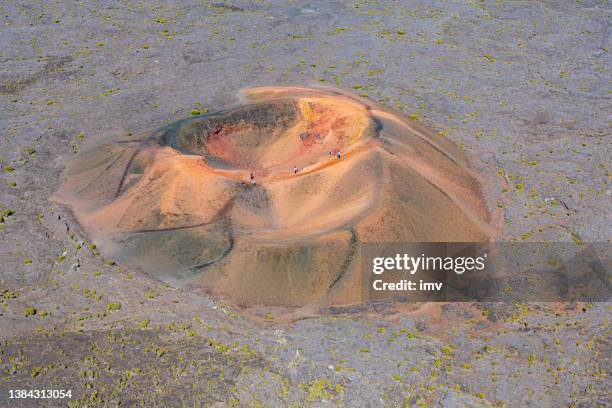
x=521 y=88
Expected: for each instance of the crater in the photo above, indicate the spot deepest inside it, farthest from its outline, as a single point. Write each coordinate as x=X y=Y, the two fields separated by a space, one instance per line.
x=269 y=202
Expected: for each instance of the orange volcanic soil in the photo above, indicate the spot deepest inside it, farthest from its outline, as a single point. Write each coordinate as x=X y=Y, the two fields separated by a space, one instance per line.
x=179 y=201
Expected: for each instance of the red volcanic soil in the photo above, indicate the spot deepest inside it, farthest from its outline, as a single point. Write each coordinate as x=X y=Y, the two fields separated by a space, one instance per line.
x=180 y=202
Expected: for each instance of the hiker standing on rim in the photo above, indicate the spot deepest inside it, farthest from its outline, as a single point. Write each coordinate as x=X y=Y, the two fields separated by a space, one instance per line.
x=295 y=170
x=338 y=154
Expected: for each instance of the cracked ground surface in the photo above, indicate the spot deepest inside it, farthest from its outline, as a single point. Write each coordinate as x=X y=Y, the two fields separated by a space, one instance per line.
x=522 y=87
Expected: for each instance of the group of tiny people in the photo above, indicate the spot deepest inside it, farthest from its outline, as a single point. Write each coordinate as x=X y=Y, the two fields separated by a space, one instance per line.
x=337 y=153
x=331 y=154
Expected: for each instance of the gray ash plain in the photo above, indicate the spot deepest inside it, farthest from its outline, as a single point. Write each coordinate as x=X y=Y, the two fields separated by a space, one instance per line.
x=522 y=87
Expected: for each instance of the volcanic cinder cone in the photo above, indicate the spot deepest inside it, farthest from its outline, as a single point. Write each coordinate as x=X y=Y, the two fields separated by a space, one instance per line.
x=180 y=203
